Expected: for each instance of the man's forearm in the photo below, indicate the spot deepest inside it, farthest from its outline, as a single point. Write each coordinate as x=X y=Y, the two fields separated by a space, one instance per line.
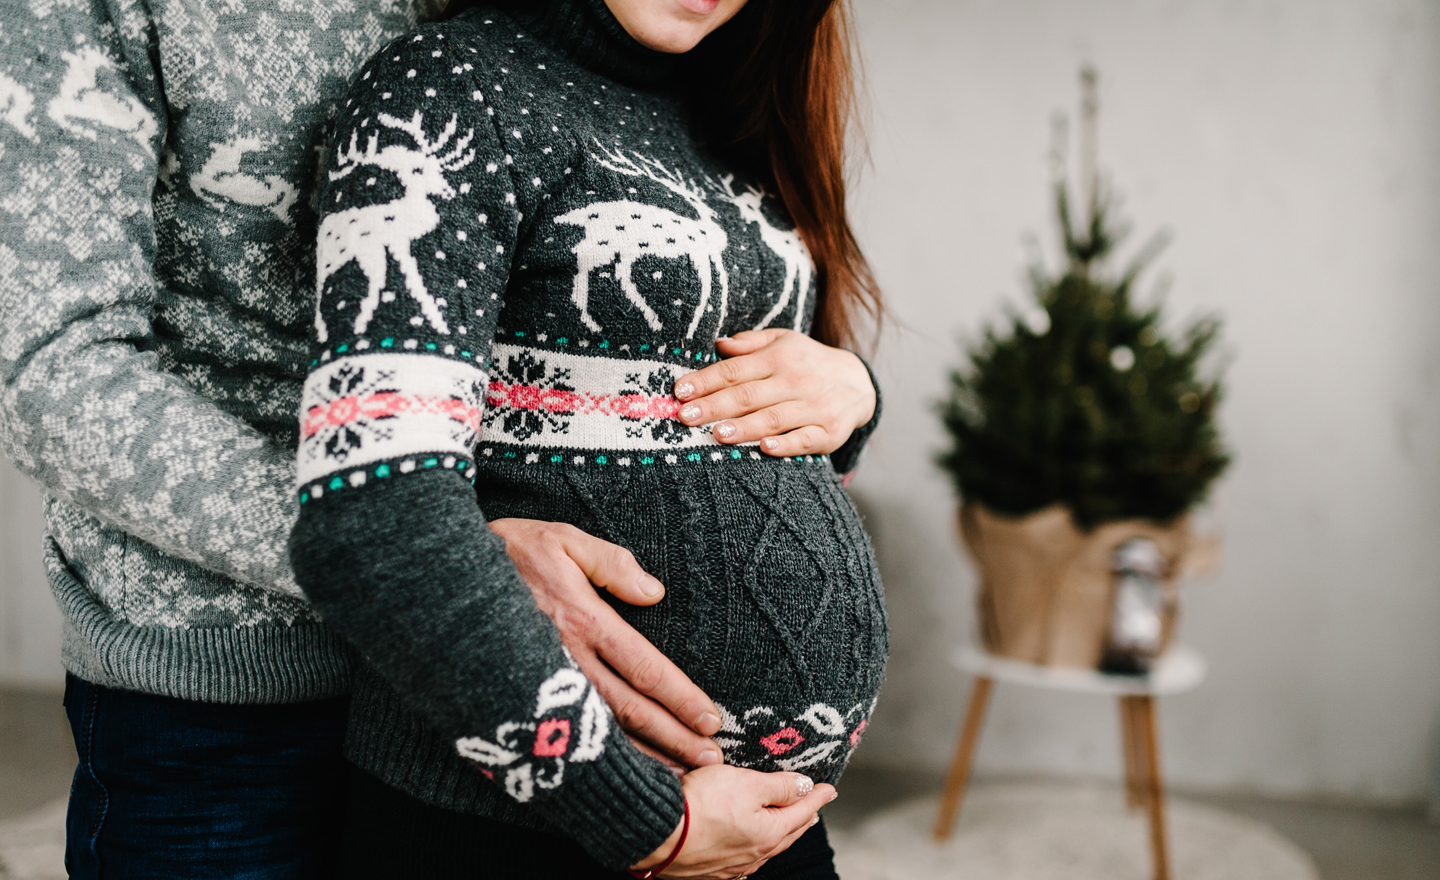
x=85 y=407
x=98 y=425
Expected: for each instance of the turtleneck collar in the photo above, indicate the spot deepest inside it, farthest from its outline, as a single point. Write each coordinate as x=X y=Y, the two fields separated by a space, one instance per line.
x=588 y=33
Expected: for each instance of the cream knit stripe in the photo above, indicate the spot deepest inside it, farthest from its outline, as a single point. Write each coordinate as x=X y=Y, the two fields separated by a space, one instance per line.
x=358 y=411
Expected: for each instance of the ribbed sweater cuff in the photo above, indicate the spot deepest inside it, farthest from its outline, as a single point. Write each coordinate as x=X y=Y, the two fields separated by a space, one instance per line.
x=620 y=808
x=847 y=457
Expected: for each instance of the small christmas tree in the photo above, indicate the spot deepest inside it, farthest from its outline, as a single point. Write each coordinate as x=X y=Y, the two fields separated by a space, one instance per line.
x=1083 y=401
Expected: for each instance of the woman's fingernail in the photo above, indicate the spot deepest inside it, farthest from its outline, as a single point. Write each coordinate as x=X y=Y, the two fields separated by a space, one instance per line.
x=684 y=390
x=813 y=819
x=690 y=413
x=833 y=795
x=708 y=723
x=725 y=430
x=804 y=785
x=708 y=757
x=772 y=443
x=651 y=587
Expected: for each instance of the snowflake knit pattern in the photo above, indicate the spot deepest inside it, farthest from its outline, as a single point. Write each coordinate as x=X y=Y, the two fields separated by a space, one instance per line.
x=157 y=228
x=522 y=245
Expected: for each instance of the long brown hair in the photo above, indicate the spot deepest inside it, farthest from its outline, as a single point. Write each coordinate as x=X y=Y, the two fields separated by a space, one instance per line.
x=774 y=90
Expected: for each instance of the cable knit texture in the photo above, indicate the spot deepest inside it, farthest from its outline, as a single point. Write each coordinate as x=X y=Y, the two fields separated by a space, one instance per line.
x=521 y=246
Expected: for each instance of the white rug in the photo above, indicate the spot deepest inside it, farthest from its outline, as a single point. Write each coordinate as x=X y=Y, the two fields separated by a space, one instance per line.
x=1006 y=832
x=32 y=847
x=1056 y=832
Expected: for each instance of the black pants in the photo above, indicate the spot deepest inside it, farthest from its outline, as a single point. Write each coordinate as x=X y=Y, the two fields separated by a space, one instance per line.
x=389 y=834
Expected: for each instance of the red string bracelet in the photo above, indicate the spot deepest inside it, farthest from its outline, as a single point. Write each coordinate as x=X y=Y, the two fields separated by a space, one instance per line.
x=651 y=873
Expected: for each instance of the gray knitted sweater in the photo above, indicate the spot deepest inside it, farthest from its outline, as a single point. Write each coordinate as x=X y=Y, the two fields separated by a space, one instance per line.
x=156 y=288
x=522 y=244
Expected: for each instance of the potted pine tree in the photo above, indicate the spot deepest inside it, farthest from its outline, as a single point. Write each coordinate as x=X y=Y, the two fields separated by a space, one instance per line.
x=1077 y=425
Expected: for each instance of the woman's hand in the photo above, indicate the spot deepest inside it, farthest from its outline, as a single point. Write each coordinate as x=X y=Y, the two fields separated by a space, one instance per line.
x=795 y=395
x=739 y=819
x=651 y=697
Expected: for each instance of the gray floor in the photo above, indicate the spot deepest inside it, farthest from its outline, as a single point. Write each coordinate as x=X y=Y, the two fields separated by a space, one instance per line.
x=37 y=755
x=1348 y=842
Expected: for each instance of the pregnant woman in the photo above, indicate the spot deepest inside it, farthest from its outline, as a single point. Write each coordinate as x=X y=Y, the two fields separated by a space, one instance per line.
x=559 y=243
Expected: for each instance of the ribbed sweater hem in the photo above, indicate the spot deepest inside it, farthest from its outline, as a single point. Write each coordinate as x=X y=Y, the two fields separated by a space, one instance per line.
x=260 y=664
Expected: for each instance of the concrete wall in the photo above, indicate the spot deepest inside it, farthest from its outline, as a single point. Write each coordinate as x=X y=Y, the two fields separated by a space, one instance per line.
x=29 y=621
x=1293 y=148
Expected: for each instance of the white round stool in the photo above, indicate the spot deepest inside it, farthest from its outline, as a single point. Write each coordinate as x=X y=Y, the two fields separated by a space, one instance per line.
x=1180 y=669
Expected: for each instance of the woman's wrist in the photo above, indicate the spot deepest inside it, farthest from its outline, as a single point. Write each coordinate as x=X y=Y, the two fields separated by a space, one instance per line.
x=872 y=400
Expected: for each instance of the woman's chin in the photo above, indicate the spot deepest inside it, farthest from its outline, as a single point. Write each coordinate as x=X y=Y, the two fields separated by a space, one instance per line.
x=699 y=7
x=672 y=26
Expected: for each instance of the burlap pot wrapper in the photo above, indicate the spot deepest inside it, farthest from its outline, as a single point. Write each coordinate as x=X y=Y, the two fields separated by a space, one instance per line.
x=1046 y=586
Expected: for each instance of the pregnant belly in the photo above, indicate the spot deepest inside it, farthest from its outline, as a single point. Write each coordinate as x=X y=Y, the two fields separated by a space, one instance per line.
x=773 y=606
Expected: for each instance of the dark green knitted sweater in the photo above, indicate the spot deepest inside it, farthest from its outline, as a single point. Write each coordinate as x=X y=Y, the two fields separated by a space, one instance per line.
x=522 y=245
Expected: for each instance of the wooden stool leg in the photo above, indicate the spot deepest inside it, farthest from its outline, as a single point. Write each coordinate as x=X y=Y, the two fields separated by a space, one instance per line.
x=964 y=754
x=1128 y=752
x=1155 y=794
x=1130 y=733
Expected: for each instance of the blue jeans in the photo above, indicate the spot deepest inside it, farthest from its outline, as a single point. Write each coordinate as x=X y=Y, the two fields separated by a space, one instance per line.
x=171 y=788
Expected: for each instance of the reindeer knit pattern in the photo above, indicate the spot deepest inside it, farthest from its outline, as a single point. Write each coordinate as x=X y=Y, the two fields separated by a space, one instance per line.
x=522 y=245
x=157 y=229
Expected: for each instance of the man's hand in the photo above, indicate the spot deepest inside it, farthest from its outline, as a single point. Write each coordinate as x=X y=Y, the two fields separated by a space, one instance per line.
x=796 y=395
x=653 y=700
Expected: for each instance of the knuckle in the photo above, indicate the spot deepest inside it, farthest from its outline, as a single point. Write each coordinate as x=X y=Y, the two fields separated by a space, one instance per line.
x=629 y=712
x=646 y=675
x=618 y=557
x=745 y=395
x=585 y=625
x=729 y=370
x=772 y=419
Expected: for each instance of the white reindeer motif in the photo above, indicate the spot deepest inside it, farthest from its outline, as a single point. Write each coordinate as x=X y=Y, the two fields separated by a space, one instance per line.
x=81 y=107
x=374 y=233
x=619 y=233
x=221 y=178
x=785 y=243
